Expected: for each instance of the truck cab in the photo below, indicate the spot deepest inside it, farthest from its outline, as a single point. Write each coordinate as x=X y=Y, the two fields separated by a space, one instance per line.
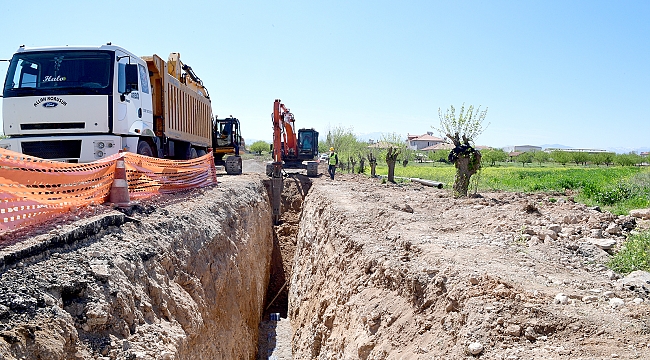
x=81 y=104
x=75 y=104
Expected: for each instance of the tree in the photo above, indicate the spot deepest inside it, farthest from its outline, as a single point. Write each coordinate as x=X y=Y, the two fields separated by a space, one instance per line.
x=525 y=157
x=629 y=159
x=608 y=158
x=438 y=155
x=541 y=157
x=344 y=142
x=492 y=156
x=396 y=147
x=579 y=157
x=560 y=157
x=391 y=159
x=259 y=147
x=462 y=131
x=372 y=160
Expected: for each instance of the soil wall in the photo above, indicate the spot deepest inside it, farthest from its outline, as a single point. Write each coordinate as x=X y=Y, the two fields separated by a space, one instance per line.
x=183 y=277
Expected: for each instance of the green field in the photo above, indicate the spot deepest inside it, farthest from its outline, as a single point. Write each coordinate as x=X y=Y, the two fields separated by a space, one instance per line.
x=614 y=188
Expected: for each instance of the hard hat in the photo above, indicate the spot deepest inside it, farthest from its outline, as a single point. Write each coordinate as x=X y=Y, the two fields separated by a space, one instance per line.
x=331 y=149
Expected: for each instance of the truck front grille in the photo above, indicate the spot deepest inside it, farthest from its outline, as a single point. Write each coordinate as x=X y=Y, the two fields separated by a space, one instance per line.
x=56 y=149
x=53 y=126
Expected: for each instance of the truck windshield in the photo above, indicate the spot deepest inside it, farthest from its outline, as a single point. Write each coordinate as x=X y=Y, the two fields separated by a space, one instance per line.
x=59 y=72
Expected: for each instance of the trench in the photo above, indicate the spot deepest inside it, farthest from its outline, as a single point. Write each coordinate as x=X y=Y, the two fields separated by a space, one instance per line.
x=201 y=273
x=275 y=331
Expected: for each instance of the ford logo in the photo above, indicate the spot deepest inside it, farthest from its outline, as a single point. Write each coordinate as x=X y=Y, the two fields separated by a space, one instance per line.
x=50 y=104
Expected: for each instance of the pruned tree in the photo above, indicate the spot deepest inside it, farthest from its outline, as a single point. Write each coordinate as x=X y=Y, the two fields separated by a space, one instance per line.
x=362 y=163
x=396 y=147
x=462 y=131
x=391 y=159
x=353 y=162
x=372 y=160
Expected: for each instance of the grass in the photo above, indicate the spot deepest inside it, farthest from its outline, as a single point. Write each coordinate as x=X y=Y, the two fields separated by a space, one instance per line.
x=635 y=254
x=615 y=188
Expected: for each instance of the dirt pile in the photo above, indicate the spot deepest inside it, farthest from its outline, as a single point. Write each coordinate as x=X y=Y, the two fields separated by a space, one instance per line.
x=406 y=271
x=185 y=276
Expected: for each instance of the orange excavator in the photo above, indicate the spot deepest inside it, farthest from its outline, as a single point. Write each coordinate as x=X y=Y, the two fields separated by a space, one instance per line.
x=289 y=151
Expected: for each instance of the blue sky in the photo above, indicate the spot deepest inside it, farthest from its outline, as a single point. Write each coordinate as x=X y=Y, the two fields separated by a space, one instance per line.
x=550 y=72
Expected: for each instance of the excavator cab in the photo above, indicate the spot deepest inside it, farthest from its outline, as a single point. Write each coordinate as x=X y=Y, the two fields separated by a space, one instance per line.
x=307 y=144
x=226 y=139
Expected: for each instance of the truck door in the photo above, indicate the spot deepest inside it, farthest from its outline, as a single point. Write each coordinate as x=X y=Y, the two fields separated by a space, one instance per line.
x=129 y=109
x=146 y=101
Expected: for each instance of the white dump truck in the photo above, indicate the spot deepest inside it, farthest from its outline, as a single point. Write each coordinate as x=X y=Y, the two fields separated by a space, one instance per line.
x=81 y=104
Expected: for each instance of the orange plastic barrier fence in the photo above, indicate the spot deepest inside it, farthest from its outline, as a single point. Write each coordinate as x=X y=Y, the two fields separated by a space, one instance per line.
x=149 y=176
x=33 y=190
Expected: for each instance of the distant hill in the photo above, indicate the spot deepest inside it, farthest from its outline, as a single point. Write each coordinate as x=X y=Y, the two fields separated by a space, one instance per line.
x=555 y=146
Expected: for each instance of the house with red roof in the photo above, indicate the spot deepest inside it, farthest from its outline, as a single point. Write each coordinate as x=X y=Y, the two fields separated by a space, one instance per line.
x=419 y=142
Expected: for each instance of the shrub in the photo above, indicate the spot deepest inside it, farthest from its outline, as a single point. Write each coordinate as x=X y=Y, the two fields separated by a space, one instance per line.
x=635 y=255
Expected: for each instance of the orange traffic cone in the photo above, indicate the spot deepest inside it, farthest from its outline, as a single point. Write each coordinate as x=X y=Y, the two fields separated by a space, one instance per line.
x=119 y=194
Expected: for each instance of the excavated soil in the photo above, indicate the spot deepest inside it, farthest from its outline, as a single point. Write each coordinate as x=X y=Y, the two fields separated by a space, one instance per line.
x=180 y=277
x=386 y=271
x=356 y=269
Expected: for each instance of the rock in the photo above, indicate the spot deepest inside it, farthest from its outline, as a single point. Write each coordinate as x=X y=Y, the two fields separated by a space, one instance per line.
x=628 y=223
x=611 y=275
x=513 y=330
x=616 y=302
x=637 y=301
x=589 y=298
x=604 y=244
x=640 y=213
x=597 y=233
x=592 y=251
x=570 y=219
x=555 y=228
x=637 y=281
x=609 y=294
x=475 y=348
x=530 y=333
x=100 y=271
x=542 y=234
x=534 y=240
x=473 y=280
x=613 y=229
x=561 y=299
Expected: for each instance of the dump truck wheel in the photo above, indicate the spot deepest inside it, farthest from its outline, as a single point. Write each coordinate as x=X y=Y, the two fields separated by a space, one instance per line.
x=191 y=153
x=144 y=148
